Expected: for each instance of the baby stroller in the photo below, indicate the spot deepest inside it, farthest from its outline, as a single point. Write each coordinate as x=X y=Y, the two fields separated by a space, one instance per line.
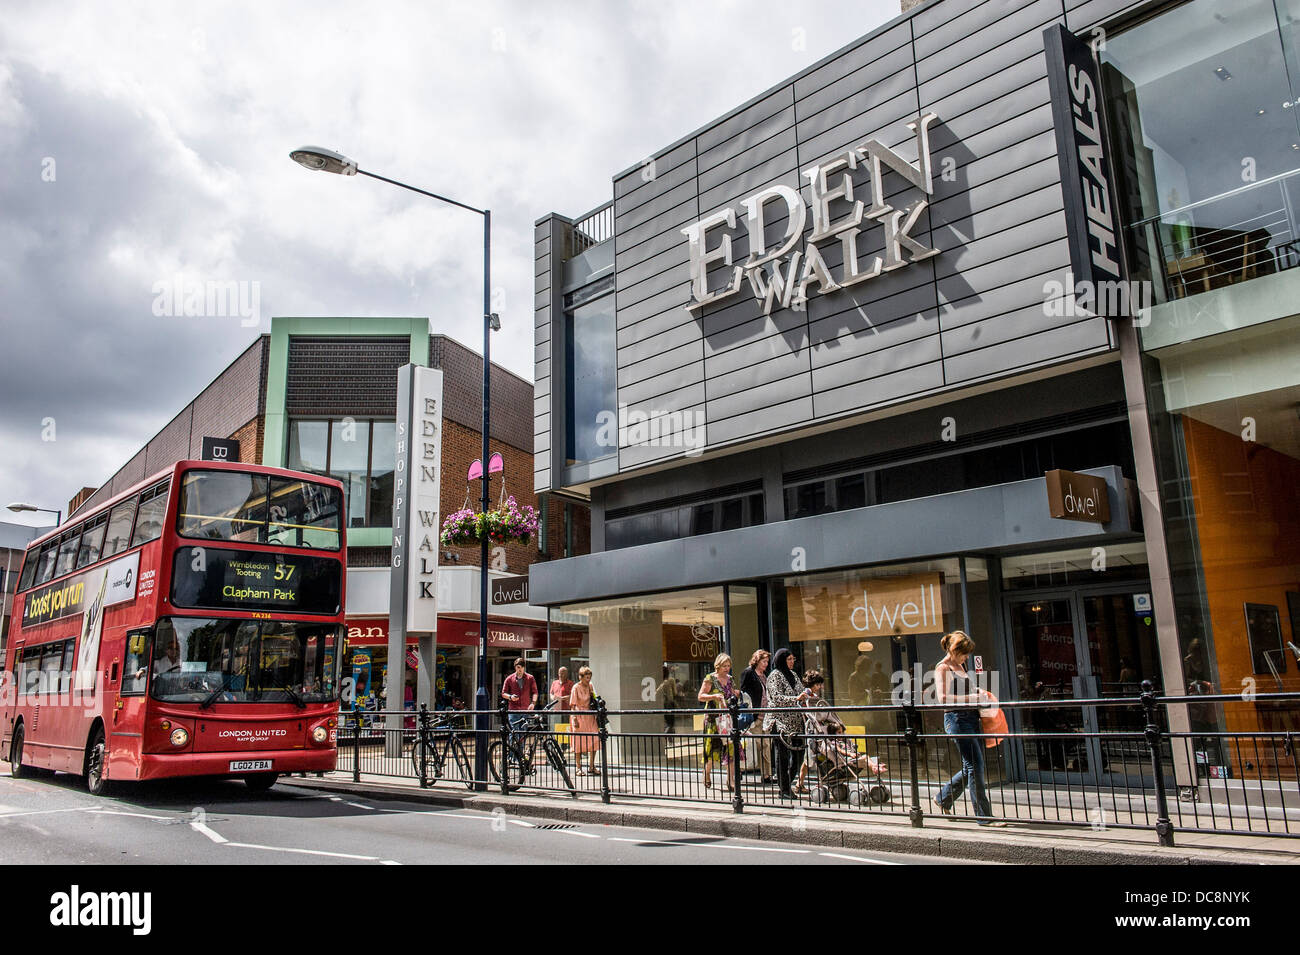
x=839 y=767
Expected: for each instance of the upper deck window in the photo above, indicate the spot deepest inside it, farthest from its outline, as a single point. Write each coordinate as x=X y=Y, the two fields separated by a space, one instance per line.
x=252 y=508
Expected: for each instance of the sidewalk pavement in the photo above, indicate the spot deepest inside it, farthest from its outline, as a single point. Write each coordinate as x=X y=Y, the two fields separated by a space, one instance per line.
x=1022 y=843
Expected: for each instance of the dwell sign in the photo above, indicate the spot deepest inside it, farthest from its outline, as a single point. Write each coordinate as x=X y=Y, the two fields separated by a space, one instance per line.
x=1077 y=497
x=866 y=607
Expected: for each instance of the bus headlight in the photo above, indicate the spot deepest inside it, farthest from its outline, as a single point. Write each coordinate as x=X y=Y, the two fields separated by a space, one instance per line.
x=320 y=734
x=179 y=736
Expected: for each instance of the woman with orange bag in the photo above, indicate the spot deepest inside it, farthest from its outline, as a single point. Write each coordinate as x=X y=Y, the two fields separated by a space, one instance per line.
x=958 y=692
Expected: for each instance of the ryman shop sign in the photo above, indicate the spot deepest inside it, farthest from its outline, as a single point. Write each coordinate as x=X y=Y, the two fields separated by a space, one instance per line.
x=784 y=276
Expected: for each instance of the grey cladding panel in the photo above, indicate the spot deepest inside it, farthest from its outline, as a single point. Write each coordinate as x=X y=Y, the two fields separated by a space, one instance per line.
x=872 y=84
x=659 y=362
x=653 y=188
x=756 y=398
x=1044 y=348
x=916 y=380
x=758 y=368
x=663 y=164
x=975 y=54
x=753 y=138
x=997 y=221
x=883 y=360
x=944 y=24
x=854 y=59
x=998 y=301
x=758 y=422
x=1001 y=86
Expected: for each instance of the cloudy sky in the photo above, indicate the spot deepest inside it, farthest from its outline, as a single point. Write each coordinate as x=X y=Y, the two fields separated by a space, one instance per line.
x=144 y=141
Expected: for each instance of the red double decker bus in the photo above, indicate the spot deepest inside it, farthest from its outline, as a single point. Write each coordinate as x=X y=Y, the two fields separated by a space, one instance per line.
x=191 y=626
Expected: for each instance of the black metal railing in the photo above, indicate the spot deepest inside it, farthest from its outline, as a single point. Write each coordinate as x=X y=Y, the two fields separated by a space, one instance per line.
x=883 y=760
x=593 y=228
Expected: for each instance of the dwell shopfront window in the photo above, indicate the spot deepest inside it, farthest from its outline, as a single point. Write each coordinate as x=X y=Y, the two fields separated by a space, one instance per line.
x=874 y=632
x=1214 y=229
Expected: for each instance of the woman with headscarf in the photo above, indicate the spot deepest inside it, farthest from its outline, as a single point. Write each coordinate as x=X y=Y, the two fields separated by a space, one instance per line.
x=786 y=692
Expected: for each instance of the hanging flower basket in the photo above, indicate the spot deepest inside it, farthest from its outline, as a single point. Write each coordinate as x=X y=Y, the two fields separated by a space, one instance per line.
x=509 y=522
x=460 y=528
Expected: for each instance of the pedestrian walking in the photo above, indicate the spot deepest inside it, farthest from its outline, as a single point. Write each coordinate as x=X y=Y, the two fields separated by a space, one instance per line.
x=717 y=690
x=786 y=693
x=956 y=690
x=754 y=683
x=583 y=732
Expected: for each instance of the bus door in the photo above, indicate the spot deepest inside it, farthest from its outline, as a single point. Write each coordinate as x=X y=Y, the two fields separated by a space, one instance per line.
x=125 y=722
x=9 y=694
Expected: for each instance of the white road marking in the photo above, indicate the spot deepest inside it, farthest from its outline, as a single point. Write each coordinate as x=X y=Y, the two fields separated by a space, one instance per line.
x=389 y=862
x=308 y=852
x=357 y=805
x=199 y=826
x=709 y=845
x=43 y=812
x=520 y=822
x=574 y=832
x=117 y=812
x=836 y=855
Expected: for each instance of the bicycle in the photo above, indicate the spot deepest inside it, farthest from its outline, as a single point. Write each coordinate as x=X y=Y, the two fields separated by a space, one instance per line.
x=438 y=739
x=520 y=751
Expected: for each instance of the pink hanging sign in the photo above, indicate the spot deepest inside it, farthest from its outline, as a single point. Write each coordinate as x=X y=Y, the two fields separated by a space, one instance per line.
x=475 y=470
x=496 y=464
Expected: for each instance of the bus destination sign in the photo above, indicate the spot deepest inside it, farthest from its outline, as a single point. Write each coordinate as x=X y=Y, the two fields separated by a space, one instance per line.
x=219 y=578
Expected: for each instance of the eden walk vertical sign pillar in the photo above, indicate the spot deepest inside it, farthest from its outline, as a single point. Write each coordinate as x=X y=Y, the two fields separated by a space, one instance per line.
x=413 y=578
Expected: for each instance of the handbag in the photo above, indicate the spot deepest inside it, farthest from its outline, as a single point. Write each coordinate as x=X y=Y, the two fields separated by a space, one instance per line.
x=745 y=719
x=993 y=723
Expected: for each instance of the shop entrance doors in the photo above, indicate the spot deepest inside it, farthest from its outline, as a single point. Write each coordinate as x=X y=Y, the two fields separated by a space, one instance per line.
x=1082 y=644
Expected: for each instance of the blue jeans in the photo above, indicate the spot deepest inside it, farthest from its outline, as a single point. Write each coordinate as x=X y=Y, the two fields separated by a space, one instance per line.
x=971 y=775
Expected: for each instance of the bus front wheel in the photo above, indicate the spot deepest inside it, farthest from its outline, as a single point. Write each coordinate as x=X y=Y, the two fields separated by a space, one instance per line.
x=261 y=782
x=95 y=782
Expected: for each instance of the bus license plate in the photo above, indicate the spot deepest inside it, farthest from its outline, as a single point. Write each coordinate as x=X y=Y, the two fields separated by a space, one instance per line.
x=247 y=765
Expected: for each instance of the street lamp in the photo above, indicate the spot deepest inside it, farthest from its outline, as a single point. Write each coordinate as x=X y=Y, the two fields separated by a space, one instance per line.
x=326 y=160
x=18 y=508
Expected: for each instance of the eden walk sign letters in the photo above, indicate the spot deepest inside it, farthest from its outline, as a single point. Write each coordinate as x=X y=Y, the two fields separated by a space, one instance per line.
x=784 y=275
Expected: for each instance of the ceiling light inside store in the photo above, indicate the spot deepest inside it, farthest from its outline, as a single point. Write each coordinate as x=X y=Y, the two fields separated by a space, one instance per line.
x=866 y=646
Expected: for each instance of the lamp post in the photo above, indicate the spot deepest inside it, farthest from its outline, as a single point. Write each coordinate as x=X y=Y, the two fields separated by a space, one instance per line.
x=58 y=515
x=326 y=160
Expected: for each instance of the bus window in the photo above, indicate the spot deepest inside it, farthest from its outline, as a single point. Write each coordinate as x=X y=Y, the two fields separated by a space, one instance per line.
x=119 y=528
x=305 y=514
x=135 y=671
x=223 y=505
x=91 y=542
x=51 y=661
x=65 y=668
x=29 y=568
x=46 y=569
x=149 y=521
x=67 y=559
x=29 y=673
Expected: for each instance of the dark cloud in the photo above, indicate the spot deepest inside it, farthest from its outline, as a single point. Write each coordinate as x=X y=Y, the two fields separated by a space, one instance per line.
x=169 y=130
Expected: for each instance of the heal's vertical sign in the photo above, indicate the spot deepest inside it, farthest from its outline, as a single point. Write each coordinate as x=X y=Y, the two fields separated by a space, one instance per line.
x=860 y=607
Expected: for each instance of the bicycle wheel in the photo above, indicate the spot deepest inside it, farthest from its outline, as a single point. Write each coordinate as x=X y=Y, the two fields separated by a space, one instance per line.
x=556 y=759
x=461 y=759
x=426 y=760
x=504 y=765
